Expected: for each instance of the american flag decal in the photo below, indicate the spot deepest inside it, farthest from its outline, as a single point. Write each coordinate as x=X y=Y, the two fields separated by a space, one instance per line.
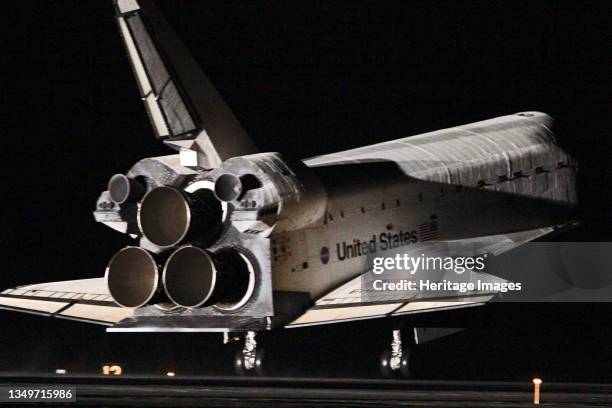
x=428 y=231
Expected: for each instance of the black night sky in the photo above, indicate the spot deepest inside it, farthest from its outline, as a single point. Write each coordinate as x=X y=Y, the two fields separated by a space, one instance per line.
x=304 y=79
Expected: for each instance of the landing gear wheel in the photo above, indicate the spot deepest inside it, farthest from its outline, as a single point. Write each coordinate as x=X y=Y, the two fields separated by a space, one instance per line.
x=406 y=366
x=259 y=362
x=391 y=359
x=241 y=366
x=386 y=366
x=250 y=359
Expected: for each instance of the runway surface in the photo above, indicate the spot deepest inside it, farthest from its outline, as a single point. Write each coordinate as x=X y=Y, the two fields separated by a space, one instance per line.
x=298 y=392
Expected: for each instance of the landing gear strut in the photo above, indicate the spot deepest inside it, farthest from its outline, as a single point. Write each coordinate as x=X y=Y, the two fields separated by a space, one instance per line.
x=396 y=361
x=249 y=359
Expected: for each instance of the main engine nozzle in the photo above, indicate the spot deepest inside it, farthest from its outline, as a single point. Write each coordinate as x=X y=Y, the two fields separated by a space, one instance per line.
x=168 y=216
x=123 y=189
x=229 y=187
x=194 y=277
x=132 y=277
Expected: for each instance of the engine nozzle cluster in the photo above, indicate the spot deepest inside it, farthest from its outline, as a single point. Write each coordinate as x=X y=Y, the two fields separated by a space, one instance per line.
x=179 y=224
x=191 y=277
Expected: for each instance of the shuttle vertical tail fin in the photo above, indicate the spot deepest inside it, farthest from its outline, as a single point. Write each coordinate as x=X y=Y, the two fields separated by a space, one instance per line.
x=181 y=102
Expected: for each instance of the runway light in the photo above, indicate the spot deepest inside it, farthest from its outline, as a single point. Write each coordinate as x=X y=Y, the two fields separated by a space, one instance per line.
x=60 y=371
x=113 y=369
x=170 y=374
x=536 y=390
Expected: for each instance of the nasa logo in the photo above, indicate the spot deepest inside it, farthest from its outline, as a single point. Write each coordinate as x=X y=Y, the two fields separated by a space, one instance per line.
x=324 y=255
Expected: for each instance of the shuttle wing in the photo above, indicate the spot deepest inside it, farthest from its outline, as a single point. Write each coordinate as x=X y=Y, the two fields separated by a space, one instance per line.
x=184 y=107
x=350 y=302
x=85 y=300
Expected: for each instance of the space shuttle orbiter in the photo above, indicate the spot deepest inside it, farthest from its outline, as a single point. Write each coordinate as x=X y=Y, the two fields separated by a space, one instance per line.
x=225 y=238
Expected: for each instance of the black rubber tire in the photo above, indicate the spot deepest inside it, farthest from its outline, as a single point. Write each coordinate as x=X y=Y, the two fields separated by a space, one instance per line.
x=406 y=366
x=260 y=367
x=385 y=365
x=239 y=367
x=258 y=370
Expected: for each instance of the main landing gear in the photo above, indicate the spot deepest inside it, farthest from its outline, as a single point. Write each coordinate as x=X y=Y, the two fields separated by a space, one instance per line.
x=250 y=359
x=396 y=362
